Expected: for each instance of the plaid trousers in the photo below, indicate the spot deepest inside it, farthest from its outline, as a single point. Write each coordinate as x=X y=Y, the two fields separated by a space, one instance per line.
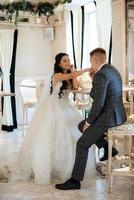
x=92 y=135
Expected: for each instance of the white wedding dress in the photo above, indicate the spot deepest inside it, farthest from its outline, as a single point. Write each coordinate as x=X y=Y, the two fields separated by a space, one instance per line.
x=48 y=150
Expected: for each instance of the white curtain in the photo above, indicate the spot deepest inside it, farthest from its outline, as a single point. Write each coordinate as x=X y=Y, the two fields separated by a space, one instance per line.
x=77 y=27
x=77 y=35
x=104 y=22
x=90 y=33
x=6 y=48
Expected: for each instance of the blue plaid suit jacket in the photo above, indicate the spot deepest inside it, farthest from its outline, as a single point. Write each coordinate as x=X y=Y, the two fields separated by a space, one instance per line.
x=107 y=108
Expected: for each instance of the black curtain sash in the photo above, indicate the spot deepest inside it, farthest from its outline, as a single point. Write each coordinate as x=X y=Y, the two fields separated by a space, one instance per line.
x=73 y=45
x=82 y=33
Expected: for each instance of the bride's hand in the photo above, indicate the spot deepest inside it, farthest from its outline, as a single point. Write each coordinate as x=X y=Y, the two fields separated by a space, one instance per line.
x=71 y=68
x=86 y=69
x=91 y=73
x=79 y=72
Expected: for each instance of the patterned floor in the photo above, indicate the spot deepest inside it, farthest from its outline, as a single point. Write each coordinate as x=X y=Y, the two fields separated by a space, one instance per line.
x=93 y=187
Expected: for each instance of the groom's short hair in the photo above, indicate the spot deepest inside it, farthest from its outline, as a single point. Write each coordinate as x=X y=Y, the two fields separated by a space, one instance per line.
x=100 y=53
x=98 y=50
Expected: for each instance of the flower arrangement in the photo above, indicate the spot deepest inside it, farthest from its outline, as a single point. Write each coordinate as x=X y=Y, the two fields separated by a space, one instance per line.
x=41 y=8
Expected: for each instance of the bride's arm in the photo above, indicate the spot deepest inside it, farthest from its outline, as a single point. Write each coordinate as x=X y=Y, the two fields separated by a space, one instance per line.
x=75 y=84
x=72 y=75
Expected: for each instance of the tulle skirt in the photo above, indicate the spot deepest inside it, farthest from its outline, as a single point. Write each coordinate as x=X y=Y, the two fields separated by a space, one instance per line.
x=48 y=150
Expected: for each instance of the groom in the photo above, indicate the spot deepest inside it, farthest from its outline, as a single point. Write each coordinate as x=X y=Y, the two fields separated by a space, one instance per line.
x=107 y=111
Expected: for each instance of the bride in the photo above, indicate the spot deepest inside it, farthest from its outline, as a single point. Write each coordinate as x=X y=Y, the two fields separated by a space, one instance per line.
x=48 y=149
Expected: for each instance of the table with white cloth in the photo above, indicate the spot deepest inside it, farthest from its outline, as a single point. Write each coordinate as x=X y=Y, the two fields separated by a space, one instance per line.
x=125 y=88
x=82 y=99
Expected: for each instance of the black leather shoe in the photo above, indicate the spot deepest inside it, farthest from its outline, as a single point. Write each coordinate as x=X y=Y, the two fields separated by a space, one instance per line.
x=105 y=157
x=69 y=185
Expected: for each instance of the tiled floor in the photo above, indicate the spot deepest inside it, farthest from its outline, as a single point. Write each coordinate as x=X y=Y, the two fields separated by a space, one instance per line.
x=93 y=187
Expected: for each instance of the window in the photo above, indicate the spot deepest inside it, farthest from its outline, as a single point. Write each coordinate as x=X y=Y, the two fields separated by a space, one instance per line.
x=90 y=35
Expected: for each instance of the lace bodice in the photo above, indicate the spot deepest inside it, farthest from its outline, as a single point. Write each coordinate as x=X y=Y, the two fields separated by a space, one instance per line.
x=56 y=88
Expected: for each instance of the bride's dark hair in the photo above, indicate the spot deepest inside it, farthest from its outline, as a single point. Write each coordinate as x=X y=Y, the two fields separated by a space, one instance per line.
x=58 y=69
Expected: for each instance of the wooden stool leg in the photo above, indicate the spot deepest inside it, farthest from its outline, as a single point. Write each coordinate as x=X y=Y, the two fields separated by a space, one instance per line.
x=132 y=151
x=113 y=168
x=109 y=162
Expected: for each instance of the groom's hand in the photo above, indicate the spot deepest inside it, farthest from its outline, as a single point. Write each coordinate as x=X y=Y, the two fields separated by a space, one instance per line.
x=85 y=127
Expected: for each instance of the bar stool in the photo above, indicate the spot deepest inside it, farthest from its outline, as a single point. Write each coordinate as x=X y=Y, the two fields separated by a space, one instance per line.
x=114 y=165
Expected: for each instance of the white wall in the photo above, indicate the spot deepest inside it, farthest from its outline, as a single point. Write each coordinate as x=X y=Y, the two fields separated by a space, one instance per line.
x=35 y=56
x=59 y=43
x=33 y=59
x=34 y=53
x=119 y=37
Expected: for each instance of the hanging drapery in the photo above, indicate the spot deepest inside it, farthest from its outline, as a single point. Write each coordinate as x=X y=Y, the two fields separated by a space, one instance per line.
x=104 y=21
x=110 y=50
x=77 y=30
x=6 y=49
x=12 y=79
x=82 y=34
x=90 y=32
x=72 y=31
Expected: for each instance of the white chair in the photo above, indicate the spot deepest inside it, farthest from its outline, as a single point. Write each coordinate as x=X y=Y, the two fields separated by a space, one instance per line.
x=39 y=89
x=29 y=97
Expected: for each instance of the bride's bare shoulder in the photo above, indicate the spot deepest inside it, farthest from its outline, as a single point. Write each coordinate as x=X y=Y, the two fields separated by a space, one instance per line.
x=56 y=77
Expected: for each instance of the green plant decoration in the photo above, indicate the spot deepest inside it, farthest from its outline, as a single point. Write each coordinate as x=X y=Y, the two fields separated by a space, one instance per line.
x=42 y=8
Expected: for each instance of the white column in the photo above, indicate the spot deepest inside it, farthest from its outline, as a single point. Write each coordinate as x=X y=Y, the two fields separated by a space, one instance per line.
x=119 y=37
